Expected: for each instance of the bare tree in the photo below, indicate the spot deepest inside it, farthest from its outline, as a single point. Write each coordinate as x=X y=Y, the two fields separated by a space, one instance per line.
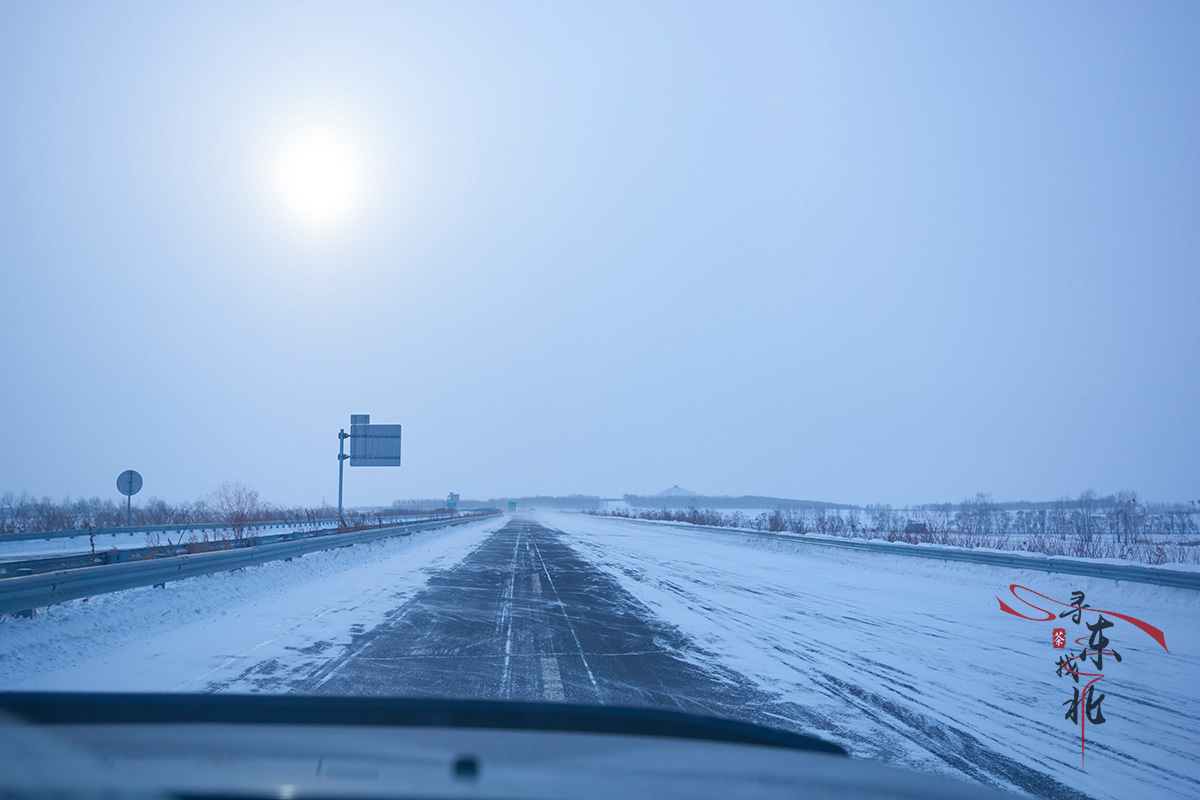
x=882 y=519
x=1060 y=517
x=1127 y=516
x=236 y=505
x=977 y=515
x=8 y=513
x=52 y=516
x=157 y=512
x=1085 y=515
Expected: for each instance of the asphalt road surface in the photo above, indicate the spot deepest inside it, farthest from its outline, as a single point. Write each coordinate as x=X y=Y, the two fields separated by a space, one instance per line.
x=523 y=617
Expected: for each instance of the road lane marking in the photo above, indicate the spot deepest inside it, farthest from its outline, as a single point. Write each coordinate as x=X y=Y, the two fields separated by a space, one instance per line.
x=552 y=688
x=506 y=609
x=562 y=608
x=537 y=584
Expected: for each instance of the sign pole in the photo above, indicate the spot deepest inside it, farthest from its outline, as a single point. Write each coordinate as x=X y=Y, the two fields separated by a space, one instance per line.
x=370 y=446
x=342 y=437
x=129 y=483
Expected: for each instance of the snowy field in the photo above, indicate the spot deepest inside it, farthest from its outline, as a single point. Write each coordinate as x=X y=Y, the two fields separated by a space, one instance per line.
x=894 y=656
x=924 y=547
x=201 y=634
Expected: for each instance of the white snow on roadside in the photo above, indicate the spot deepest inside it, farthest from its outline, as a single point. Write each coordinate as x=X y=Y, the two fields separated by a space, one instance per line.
x=890 y=652
x=925 y=547
x=204 y=633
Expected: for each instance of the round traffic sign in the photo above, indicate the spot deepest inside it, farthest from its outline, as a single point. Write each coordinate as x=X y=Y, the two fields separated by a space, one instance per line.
x=129 y=482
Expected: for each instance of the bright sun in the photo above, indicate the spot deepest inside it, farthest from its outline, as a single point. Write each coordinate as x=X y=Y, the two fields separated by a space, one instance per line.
x=318 y=177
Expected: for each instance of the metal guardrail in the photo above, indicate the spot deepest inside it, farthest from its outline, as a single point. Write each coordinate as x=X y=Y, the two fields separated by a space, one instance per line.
x=1117 y=572
x=114 y=555
x=32 y=536
x=23 y=593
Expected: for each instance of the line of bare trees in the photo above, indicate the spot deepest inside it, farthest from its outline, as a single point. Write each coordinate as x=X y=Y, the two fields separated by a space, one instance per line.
x=232 y=505
x=1121 y=527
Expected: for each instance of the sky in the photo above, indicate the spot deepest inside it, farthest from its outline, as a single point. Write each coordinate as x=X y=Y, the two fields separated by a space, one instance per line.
x=855 y=252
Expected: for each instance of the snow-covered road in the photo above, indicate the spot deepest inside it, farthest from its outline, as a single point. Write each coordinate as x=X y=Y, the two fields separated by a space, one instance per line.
x=911 y=661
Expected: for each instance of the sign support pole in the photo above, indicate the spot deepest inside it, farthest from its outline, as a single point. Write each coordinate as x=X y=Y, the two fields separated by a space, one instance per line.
x=371 y=446
x=129 y=483
x=342 y=437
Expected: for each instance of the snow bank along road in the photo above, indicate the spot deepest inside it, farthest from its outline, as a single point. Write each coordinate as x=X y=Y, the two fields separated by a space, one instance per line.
x=902 y=660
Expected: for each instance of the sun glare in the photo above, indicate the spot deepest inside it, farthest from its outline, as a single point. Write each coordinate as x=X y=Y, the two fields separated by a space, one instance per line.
x=318 y=177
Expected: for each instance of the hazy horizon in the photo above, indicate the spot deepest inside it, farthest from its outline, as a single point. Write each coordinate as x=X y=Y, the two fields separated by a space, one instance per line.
x=141 y=498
